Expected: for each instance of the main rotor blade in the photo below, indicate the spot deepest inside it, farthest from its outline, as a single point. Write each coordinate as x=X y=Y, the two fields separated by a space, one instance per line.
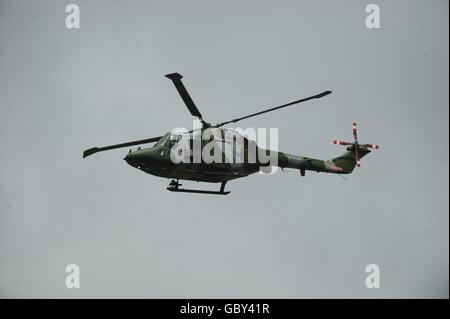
x=111 y=147
x=176 y=79
x=318 y=96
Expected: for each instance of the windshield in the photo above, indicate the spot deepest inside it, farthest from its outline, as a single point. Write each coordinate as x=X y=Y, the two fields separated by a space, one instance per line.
x=162 y=140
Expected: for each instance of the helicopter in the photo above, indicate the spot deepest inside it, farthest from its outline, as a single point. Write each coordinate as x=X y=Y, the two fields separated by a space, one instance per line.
x=180 y=155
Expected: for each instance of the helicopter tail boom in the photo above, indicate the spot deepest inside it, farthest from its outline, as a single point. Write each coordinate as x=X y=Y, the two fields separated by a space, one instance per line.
x=343 y=164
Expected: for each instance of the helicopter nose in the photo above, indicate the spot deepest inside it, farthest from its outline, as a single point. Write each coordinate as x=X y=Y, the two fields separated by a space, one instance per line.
x=135 y=158
x=140 y=158
x=128 y=158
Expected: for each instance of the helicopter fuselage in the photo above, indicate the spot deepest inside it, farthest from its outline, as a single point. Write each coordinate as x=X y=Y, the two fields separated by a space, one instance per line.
x=236 y=161
x=159 y=159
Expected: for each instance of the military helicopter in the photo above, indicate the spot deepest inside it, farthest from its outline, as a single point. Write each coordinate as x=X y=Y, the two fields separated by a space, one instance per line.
x=240 y=160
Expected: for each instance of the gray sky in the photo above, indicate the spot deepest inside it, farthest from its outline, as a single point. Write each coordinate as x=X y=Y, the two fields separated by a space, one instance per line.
x=276 y=236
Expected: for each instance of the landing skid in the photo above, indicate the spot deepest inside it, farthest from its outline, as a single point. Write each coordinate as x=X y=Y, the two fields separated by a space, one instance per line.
x=174 y=186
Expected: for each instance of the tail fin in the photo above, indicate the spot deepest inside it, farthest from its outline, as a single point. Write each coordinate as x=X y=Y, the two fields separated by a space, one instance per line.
x=347 y=161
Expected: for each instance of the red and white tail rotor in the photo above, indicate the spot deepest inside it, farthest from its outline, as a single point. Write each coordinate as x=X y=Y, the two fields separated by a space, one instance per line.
x=356 y=144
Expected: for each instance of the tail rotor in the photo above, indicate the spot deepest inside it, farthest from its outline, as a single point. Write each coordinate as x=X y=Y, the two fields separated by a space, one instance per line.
x=356 y=146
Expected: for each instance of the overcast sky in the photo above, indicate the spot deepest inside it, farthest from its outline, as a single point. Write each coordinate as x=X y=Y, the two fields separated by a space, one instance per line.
x=275 y=236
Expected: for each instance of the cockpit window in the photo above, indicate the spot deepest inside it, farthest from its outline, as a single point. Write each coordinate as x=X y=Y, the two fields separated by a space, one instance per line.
x=162 y=140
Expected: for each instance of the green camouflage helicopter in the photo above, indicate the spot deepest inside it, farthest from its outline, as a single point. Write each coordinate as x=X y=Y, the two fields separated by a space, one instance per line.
x=180 y=155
